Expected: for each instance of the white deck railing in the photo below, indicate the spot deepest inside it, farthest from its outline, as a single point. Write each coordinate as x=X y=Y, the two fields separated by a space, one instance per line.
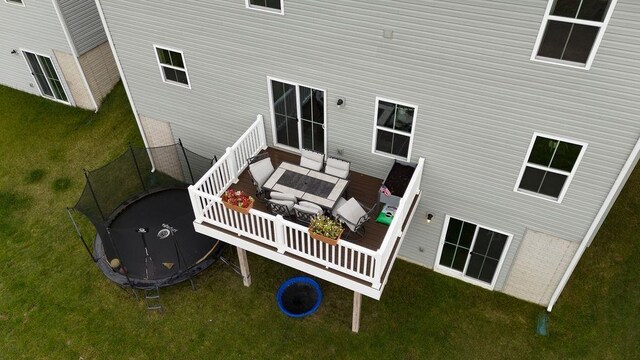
x=283 y=235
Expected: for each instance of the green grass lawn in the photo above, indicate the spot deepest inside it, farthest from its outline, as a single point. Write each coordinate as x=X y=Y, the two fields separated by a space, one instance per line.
x=56 y=304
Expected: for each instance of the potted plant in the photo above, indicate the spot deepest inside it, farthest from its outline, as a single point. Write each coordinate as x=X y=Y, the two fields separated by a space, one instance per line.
x=325 y=229
x=237 y=200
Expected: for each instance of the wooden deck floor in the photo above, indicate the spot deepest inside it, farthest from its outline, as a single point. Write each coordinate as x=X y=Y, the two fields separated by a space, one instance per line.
x=363 y=187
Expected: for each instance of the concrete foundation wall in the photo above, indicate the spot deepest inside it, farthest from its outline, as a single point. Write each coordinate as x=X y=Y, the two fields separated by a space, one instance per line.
x=73 y=77
x=100 y=68
x=540 y=263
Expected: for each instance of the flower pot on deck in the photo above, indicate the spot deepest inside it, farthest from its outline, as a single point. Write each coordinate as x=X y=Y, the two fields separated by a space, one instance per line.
x=240 y=209
x=325 y=239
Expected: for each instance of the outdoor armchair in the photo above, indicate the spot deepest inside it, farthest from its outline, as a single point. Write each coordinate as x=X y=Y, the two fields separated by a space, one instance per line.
x=311 y=159
x=337 y=167
x=354 y=215
x=260 y=169
x=281 y=207
x=305 y=211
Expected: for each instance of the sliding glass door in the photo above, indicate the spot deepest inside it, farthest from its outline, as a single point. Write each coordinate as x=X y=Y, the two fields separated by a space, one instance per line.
x=46 y=76
x=298 y=115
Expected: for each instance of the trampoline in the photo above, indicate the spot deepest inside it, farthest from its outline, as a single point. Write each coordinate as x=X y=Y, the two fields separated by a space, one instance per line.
x=143 y=218
x=299 y=296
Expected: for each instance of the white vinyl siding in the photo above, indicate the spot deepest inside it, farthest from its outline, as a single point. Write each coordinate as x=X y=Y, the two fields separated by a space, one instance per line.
x=84 y=24
x=549 y=166
x=571 y=31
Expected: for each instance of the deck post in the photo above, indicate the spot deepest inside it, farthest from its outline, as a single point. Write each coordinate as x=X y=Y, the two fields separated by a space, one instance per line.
x=244 y=266
x=357 y=302
x=279 y=232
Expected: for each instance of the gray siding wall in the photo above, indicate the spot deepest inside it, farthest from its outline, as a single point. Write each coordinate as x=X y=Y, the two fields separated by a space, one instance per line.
x=34 y=27
x=84 y=24
x=464 y=63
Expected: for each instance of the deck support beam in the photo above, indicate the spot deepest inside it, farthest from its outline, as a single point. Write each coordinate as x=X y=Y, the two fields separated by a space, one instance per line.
x=357 y=302
x=244 y=266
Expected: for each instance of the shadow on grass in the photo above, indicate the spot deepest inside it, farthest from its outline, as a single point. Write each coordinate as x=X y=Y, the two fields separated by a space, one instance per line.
x=34 y=176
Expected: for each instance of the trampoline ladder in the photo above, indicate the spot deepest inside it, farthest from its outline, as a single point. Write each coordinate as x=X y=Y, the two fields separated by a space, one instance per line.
x=152 y=299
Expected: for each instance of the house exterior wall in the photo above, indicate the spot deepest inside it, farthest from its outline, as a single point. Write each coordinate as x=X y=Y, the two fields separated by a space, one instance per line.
x=464 y=63
x=34 y=27
x=84 y=24
x=101 y=71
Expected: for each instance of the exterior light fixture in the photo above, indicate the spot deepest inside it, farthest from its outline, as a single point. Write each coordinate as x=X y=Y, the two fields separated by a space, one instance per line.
x=429 y=217
x=14 y=51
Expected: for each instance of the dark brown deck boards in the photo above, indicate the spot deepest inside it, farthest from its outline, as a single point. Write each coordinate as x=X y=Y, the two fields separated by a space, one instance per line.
x=363 y=187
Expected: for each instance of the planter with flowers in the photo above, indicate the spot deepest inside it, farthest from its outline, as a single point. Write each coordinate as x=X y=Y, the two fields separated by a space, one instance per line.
x=325 y=229
x=237 y=201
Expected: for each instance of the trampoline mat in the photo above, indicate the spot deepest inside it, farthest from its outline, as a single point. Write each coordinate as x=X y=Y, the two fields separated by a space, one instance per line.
x=154 y=237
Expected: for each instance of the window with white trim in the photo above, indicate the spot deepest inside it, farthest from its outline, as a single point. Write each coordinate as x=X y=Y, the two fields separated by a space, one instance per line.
x=275 y=6
x=571 y=31
x=549 y=166
x=17 y=2
x=394 y=128
x=471 y=252
x=46 y=76
x=172 y=66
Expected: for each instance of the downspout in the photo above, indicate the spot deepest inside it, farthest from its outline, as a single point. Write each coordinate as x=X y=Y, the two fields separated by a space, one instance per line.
x=74 y=52
x=124 y=82
x=598 y=220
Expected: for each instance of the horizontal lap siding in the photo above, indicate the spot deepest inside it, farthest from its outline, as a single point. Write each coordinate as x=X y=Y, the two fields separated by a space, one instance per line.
x=36 y=28
x=83 y=22
x=464 y=63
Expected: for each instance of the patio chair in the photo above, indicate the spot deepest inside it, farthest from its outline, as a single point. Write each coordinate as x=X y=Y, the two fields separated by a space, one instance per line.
x=354 y=215
x=311 y=159
x=260 y=169
x=305 y=211
x=337 y=167
x=281 y=207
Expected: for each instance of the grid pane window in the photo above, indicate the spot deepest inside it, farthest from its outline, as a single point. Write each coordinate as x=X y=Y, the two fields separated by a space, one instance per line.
x=172 y=66
x=549 y=166
x=571 y=30
x=394 y=128
x=471 y=251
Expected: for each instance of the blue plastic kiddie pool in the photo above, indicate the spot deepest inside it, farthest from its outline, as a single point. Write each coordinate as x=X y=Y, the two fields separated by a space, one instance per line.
x=299 y=296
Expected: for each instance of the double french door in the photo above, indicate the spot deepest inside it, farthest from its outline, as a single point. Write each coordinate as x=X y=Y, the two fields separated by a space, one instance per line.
x=298 y=116
x=46 y=76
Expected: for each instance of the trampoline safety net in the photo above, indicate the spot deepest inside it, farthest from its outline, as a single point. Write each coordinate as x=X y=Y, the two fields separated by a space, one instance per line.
x=123 y=180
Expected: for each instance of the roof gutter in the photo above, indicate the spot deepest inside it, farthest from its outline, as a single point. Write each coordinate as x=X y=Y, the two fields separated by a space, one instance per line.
x=628 y=167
